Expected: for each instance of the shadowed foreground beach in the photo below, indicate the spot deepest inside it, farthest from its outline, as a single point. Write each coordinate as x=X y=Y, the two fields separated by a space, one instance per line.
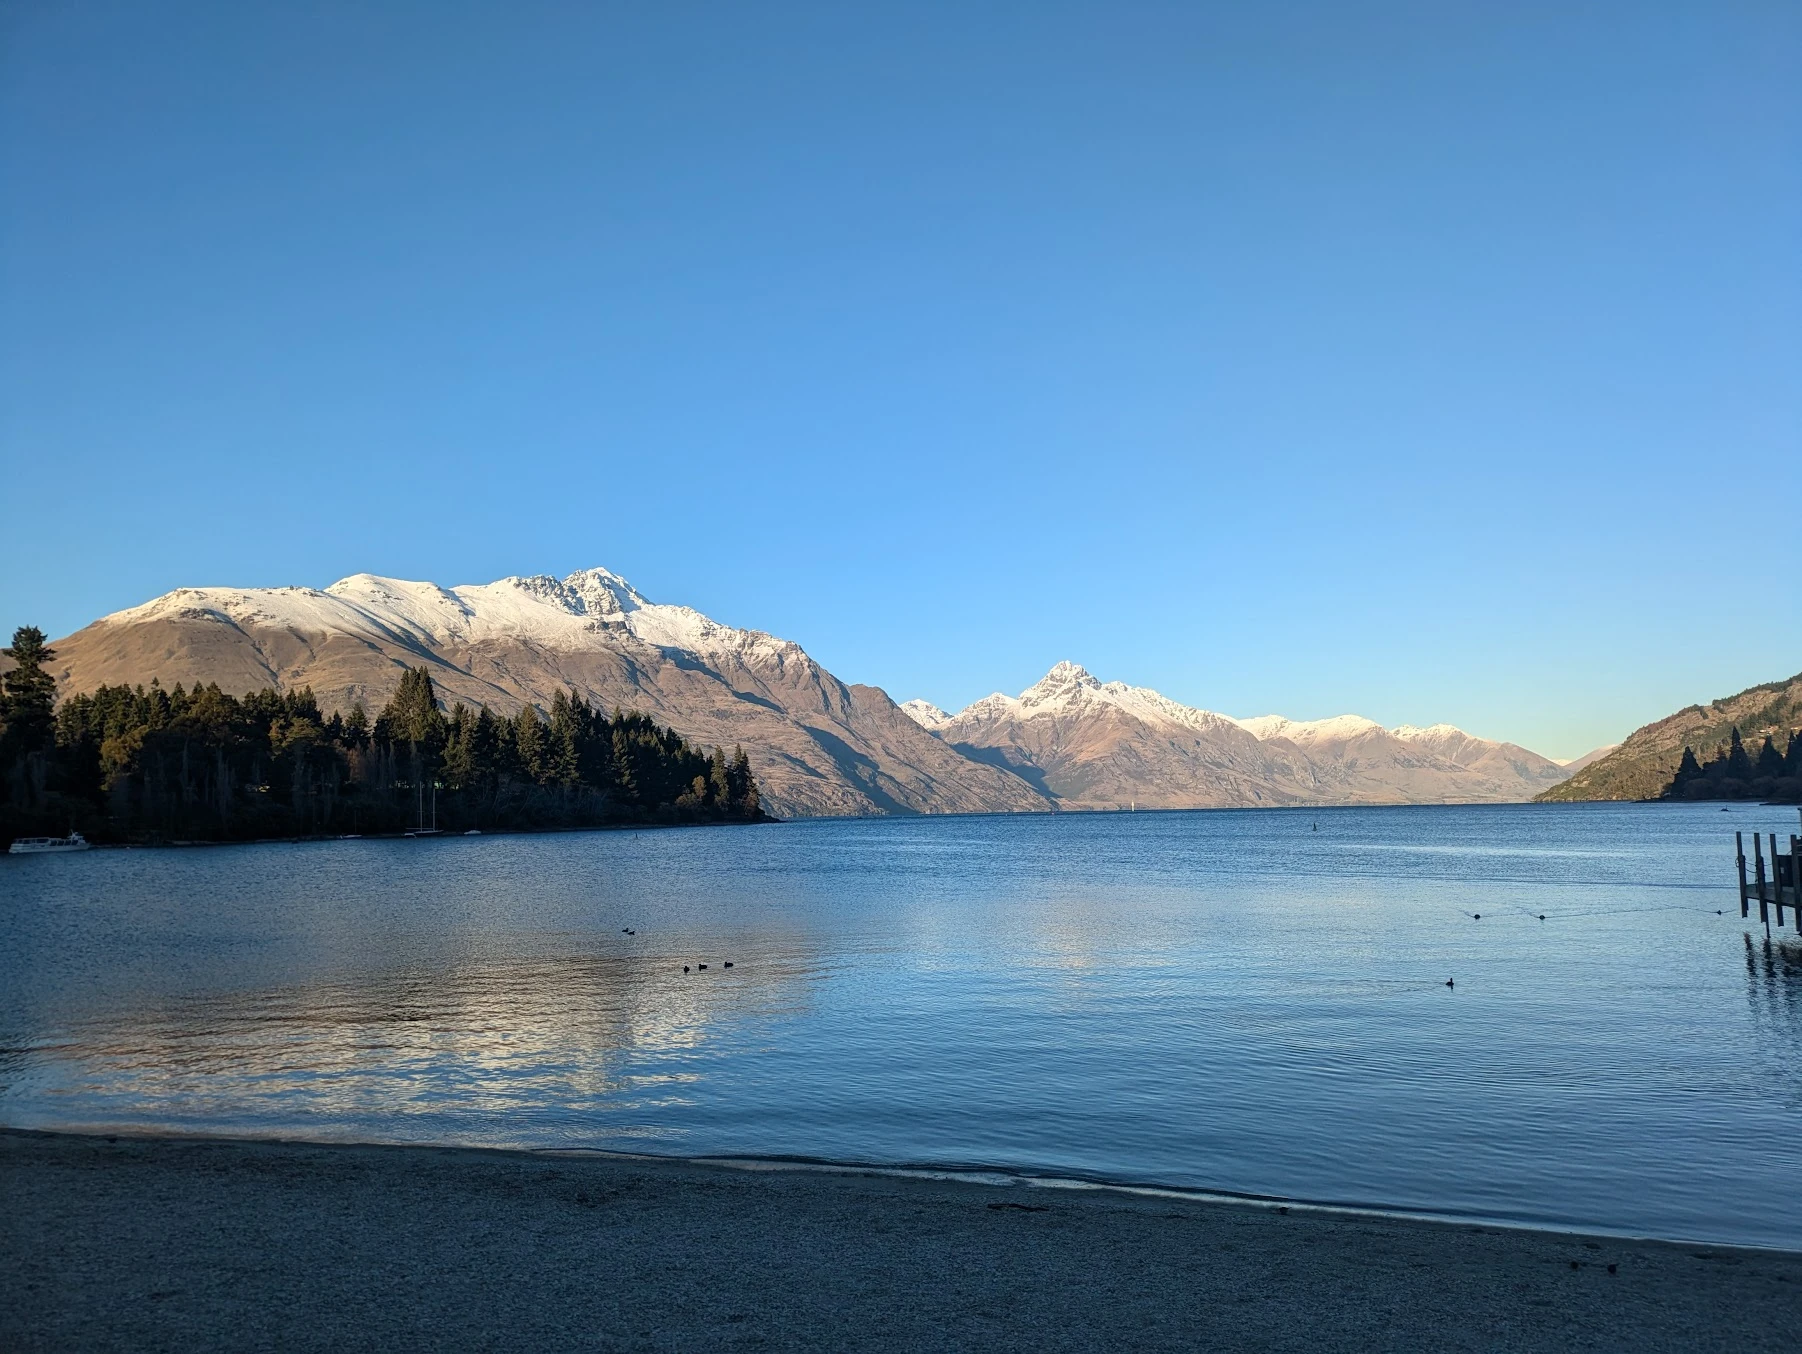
x=153 y=1243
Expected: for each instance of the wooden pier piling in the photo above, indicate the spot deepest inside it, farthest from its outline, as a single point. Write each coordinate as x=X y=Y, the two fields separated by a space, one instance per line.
x=1777 y=879
x=1739 y=849
x=1781 y=888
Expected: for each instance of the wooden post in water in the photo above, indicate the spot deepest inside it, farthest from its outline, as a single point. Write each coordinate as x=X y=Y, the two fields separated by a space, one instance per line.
x=1739 y=849
x=1776 y=882
x=1795 y=878
x=1764 y=908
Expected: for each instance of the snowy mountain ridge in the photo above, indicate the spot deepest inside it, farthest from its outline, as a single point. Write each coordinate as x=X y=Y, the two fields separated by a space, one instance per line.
x=818 y=745
x=549 y=612
x=1070 y=689
x=1097 y=744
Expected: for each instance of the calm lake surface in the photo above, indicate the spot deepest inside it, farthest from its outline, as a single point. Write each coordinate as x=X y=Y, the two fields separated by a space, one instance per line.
x=1231 y=1001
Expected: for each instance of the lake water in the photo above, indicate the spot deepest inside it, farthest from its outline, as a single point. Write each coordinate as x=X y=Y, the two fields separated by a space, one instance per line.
x=1250 y=1002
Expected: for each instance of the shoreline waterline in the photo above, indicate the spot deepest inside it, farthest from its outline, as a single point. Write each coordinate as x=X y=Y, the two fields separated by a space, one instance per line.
x=985 y=1176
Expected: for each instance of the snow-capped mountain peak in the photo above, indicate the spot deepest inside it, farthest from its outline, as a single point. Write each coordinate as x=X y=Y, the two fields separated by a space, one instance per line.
x=927 y=715
x=1070 y=690
x=603 y=592
x=550 y=612
x=1305 y=731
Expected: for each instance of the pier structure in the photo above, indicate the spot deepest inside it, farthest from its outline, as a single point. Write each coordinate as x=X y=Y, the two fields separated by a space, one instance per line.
x=1781 y=888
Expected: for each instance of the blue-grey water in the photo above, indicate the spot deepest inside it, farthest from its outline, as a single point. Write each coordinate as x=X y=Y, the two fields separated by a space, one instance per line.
x=1233 y=1001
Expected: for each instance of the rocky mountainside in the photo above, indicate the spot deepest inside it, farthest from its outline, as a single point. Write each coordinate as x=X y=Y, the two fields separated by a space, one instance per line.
x=1642 y=766
x=817 y=745
x=1097 y=745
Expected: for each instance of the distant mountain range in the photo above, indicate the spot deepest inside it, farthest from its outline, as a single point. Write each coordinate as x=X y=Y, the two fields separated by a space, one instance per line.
x=1105 y=745
x=1644 y=762
x=818 y=746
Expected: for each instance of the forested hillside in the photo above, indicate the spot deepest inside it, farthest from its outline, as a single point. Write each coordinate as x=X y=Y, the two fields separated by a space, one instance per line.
x=140 y=763
x=1646 y=763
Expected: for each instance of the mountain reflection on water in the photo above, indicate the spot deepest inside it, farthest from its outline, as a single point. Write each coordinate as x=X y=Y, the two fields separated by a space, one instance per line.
x=1232 y=1001
x=528 y=1044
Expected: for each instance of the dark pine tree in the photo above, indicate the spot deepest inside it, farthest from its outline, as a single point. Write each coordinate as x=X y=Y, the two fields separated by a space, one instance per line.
x=1688 y=770
x=562 y=757
x=529 y=743
x=413 y=715
x=1739 y=765
x=28 y=694
x=1770 y=761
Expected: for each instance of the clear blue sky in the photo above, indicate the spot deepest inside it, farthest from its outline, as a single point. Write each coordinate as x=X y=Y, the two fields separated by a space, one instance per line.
x=1436 y=361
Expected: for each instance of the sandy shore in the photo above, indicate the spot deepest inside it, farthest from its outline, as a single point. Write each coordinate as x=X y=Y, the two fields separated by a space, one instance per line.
x=150 y=1244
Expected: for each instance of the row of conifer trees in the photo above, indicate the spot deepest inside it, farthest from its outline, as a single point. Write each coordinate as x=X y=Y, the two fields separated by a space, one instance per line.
x=1734 y=773
x=146 y=763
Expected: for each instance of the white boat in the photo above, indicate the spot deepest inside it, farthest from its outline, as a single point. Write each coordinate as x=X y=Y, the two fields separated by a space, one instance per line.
x=28 y=846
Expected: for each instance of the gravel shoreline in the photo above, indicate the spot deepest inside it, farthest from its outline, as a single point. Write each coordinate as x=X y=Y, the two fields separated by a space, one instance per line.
x=194 y=1244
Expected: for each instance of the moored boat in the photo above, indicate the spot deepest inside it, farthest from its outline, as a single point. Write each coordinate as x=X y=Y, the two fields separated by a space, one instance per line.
x=27 y=846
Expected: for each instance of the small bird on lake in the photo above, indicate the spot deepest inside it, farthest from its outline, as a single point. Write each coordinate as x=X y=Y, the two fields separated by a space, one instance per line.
x=728 y=963
x=685 y=968
x=627 y=931
x=1450 y=983
x=1542 y=916
x=701 y=966
x=1479 y=916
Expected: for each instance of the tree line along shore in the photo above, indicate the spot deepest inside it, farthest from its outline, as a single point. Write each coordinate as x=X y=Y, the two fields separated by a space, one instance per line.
x=1734 y=773
x=143 y=764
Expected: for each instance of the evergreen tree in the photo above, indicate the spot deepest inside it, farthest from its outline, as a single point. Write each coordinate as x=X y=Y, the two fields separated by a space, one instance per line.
x=413 y=714
x=458 y=766
x=562 y=757
x=1739 y=765
x=529 y=743
x=1792 y=760
x=745 y=801
x=1770 y=761
x=491 y=750
x=1687 y=771
x=28 y=693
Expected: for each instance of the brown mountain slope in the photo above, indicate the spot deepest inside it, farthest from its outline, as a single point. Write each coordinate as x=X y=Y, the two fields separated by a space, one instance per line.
x=1644 y=763
x=818 y=745
x=1098 y=745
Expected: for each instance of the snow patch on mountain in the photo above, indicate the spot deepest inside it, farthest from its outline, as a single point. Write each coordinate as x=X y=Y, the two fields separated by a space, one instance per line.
x=1303 y=732
x=1071 y=690
x=552 y=613
x=927 y=715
